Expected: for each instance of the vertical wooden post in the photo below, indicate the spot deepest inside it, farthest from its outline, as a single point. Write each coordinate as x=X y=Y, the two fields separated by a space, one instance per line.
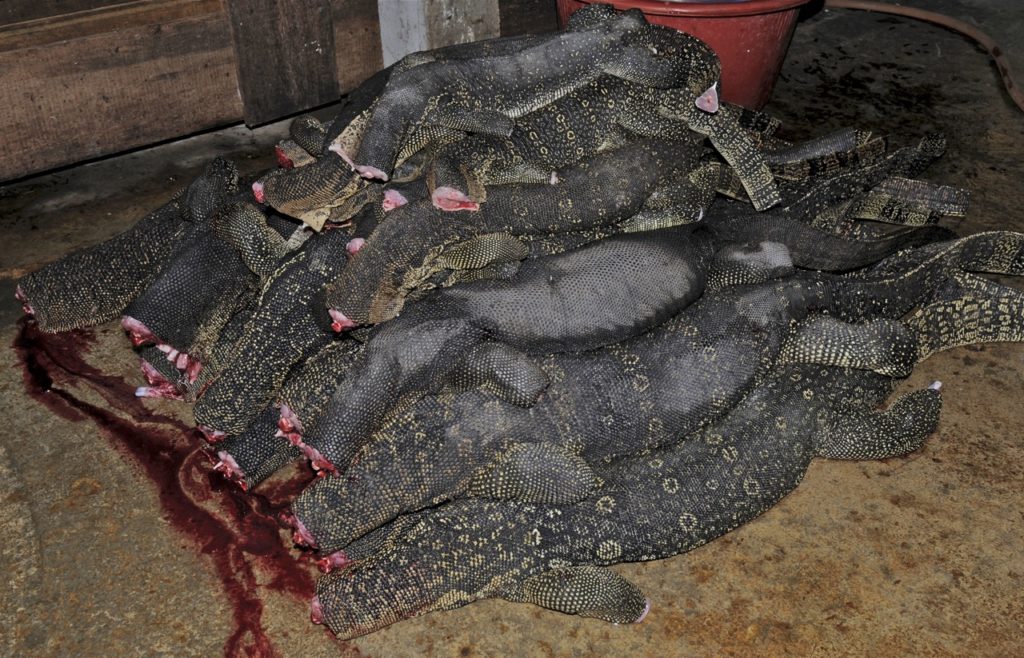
x=285 y=55
x=406 y=27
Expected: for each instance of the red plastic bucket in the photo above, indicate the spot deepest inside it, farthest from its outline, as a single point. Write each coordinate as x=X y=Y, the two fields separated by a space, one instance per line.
x=751 y=38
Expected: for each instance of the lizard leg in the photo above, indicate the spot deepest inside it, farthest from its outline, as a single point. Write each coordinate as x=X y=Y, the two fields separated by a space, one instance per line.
x=400 y=471
x=481 y=251
x=898 y=430
x=501 y=370
x=252 y=456
x=588 y=591
x=535 y=473
x=884 y=346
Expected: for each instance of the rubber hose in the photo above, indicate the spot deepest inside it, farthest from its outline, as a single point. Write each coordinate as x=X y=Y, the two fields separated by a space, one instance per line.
x=966 y=29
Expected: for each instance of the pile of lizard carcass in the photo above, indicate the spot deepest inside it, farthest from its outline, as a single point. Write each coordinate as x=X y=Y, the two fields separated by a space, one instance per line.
x=539 y=305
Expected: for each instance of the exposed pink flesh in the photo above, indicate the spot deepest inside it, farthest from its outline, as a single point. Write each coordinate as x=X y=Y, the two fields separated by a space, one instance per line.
x=19 y=294
x=708 y=101
x=451 y=199
x=334 y=148
x=316 y=614
x=393 y=199
x=300 y=535
x=211 y=435
x=230 y=469
x=258 y=193
x=181 y=360
x=335 y=560
x=340 y=321
x=152 y=375
x=289 y=420
x=293 y=438
x=159 y=386
x=354 y=245
x=193 y=369
x=138 y=332
x=316 y=459
x=283 y=161
x=366 y=171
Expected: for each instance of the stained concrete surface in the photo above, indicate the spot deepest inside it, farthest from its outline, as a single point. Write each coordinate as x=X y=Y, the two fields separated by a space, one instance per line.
x=918 y=556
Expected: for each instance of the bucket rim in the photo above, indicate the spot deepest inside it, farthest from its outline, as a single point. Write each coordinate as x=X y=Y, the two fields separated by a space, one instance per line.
x=705 y=9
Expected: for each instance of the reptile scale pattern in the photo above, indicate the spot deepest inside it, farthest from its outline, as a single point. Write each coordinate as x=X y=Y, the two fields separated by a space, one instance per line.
x=539 y=305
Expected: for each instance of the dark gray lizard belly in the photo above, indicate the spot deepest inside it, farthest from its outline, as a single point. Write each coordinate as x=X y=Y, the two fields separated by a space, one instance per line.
x=630 y=397
x=608 y=189
x=600 y=294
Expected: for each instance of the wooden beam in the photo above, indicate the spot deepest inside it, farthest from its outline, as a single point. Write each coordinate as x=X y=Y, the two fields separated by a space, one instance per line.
x=19 y=11
x=103 y=20
x=356 y=41
x=285 y=55
x=426 y=24
x=160 y=71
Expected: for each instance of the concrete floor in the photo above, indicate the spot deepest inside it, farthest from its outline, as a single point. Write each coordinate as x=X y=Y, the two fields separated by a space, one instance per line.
x=114 y=541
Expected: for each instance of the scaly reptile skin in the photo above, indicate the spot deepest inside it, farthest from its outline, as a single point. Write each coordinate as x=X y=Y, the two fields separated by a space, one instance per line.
x=96 y=284
x=636 y=395
x=484 y=94
x=792 y=223
x=402 y=363
x=252 y=456
x=416 y=240
x=661 y=503
x=476 y=333
x=610 y=192
x=543 y=142
x=217 y=266
x=287 y=327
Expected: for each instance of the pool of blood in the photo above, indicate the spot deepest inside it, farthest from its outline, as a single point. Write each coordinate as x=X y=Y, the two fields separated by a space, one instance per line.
x=242 y=534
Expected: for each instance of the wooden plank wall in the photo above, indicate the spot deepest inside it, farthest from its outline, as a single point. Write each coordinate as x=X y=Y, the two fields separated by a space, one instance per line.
x=78 y=86
x=357 y=51
x=285 y=54
x=80 y=79
x=19 y=11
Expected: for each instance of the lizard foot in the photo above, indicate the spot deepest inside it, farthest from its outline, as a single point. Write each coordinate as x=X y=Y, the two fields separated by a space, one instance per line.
x=230 y=469
x=26 y=306
x=335 y=560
